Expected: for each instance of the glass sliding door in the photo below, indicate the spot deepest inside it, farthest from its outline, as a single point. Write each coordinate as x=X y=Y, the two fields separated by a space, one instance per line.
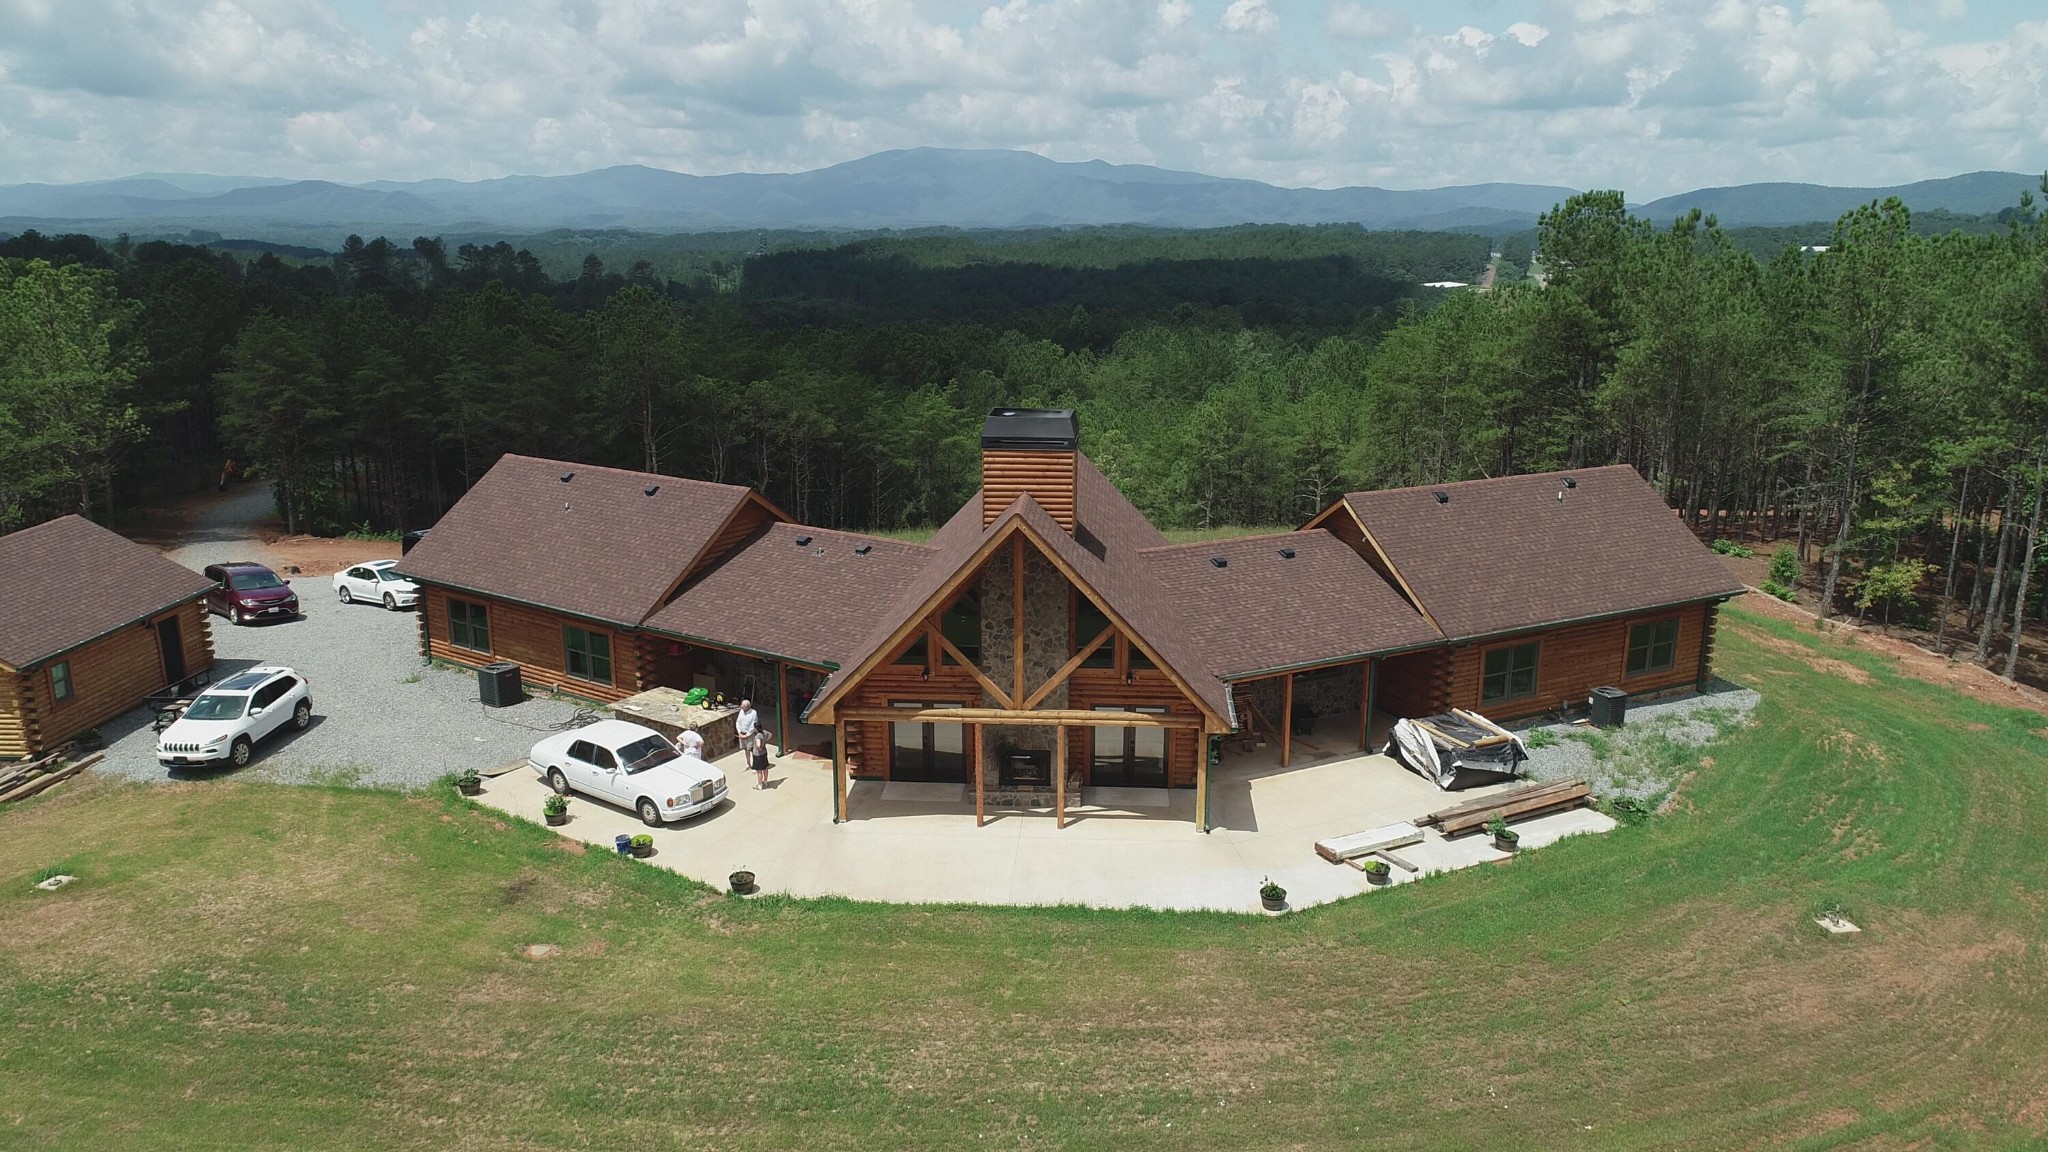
x=928 y=752
x=1130 y=757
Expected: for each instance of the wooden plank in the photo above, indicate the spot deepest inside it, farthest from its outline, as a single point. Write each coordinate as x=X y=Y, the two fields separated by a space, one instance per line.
x=1287 y=722
x=1060 y=677
x=1517 y=806
x=1059 y=776
x=1068 y=716
x=1201 y=787
x=1003 y=699
x=1441 y=736
x=980 y=775
x=839 y=772
x=50 y=779
x=1489 y=802
x=1338 y=849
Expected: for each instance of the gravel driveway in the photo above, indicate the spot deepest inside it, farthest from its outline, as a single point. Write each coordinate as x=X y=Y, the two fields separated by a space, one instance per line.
x=380 y=717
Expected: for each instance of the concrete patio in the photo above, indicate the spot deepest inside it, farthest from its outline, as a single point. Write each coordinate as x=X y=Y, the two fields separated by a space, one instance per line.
x=920 y=844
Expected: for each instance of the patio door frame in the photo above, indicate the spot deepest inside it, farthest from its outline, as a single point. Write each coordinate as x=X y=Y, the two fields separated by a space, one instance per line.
x=1126 y=775
x=927 y=771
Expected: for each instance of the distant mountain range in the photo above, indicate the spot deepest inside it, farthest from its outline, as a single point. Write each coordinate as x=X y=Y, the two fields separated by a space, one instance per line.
x=914 y=188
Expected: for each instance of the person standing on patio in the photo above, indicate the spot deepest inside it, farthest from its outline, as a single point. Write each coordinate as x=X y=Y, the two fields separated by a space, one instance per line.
x=757 y=757
x=746 y=723
x=692 y=743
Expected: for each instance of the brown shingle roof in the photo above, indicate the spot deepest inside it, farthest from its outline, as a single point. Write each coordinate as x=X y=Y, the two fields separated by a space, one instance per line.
x=814 y=603
x=69 y=581
x=1263 y=611
x=597 y=546
x=1506 y=554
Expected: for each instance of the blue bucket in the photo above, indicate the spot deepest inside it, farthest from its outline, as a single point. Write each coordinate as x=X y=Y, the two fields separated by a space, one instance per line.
x=624 y=843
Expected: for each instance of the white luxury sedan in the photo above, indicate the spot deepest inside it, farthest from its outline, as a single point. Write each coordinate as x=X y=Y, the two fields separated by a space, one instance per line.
x=225 y=721
x=376 y=583
x=631 y=766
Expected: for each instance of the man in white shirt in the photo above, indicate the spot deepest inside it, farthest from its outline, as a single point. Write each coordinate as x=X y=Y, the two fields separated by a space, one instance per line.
x=747 y=721
x=693 y=743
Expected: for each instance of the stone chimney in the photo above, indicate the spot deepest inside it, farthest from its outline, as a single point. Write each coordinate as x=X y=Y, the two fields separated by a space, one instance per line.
x=1032 y=450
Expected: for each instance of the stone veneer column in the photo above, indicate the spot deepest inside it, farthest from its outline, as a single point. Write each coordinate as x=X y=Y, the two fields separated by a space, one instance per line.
x=1047 y=642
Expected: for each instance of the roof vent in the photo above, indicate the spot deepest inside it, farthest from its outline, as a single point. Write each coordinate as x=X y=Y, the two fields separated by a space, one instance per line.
x=1219 y=561
x=1442 y=497
x=567 y=476
x=1570 y=483
x=863 y=549
x=650 y=490
x=1287 y=553
x=803 y=541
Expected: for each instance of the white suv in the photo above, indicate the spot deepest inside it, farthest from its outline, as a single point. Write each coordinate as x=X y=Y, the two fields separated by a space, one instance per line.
x=225 y=721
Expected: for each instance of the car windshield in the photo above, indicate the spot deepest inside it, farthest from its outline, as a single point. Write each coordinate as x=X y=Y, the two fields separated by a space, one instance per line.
x=217 y=706
x=389 y=576
x=251 y=581
x=646 y=753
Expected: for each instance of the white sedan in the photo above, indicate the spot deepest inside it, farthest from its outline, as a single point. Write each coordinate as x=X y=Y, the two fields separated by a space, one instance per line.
x=376 y=583
x=631 y=766
x=225 y=721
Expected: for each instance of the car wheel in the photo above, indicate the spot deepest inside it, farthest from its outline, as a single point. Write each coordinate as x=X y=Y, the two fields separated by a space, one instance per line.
x=238 y=752
x=558 y=782
x=302 y=715
x=390 y=602
x=235 y=615
x=345 y=597
x=649 y=814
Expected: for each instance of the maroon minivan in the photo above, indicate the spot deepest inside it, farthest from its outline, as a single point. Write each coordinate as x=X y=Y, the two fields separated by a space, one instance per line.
x=245 y=591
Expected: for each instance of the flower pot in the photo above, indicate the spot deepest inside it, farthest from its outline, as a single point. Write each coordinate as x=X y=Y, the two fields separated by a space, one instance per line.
x=742 y=882
x=643 y=851
x=556 y=819
x=1506 y=843
x=470 y=787
x=1386 y=877
x=624 y=843
x=1274 y=903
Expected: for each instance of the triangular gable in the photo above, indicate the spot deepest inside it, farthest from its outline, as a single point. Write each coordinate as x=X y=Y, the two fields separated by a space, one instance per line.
x=963 y=558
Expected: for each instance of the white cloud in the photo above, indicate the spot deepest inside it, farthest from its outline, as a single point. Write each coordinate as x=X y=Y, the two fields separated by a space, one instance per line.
x=1355 y=21
x=1249 y=16
x=1651 y=97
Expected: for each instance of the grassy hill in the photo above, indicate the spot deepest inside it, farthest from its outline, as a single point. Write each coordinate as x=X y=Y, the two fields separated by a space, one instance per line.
x=254 y=966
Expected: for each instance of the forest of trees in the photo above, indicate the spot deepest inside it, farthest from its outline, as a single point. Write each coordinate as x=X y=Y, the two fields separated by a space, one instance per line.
x=1884 y=402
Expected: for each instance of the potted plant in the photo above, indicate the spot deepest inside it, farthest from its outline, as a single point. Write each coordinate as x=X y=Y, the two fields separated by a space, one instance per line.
x=1504 y=837
x=90 y=739
x=1273 y=896
x=556 y=809
x=742 y=881
x=643 y=845
x=1377 y=871
x=470 y=783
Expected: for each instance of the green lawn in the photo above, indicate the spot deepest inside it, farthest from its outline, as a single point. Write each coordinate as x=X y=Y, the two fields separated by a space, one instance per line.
x=246 y=966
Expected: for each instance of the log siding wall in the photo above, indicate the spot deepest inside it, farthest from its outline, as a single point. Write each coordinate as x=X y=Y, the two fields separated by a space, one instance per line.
x=1009 y=473
x=1574 y=660
x=533 y=638
x=108 y=677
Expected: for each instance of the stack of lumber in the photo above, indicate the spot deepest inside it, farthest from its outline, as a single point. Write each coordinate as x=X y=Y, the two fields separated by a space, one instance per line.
x=1519 y=804
x=21 y=781
x=1341 y=848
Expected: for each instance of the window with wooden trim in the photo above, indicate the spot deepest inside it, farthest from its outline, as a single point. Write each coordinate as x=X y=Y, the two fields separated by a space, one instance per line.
x=589 y=654
x=469 y=626
x=1652 y=647
x=1088 y=624
x=1509 y=674
x=60 y=681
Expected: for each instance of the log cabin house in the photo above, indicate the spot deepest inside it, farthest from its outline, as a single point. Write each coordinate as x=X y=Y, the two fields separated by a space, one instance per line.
x=1048 y=638
x=94 y=623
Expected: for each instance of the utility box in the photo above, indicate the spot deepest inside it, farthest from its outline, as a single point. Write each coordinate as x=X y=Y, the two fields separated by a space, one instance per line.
x=498 y=685
x=1608 y=706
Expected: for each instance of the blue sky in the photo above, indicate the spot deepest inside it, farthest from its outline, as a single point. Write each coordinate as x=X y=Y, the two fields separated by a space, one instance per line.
x=1653 y=96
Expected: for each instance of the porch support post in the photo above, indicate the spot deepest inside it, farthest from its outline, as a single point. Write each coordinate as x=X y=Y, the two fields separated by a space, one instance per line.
x=980 y=774
x=1287 y=722
x=781 y=709
x=1017 y=617
x=1202 y=781
x=1372 y=696
x=839 y=772
x=1059 y=776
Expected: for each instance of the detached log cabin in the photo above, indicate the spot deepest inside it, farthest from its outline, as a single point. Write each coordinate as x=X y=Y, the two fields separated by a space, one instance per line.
x=1048 y=638
x=94 y=623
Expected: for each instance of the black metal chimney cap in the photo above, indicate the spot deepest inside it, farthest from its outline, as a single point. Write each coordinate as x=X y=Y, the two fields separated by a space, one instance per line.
x=1032 y=429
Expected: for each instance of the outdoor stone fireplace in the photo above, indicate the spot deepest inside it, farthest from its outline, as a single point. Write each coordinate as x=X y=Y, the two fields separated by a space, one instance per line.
x=1019 y=757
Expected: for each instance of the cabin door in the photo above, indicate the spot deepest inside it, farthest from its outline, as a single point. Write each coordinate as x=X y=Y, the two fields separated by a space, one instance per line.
x=1129 y=757
x=929 y=752
x=170 y=641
